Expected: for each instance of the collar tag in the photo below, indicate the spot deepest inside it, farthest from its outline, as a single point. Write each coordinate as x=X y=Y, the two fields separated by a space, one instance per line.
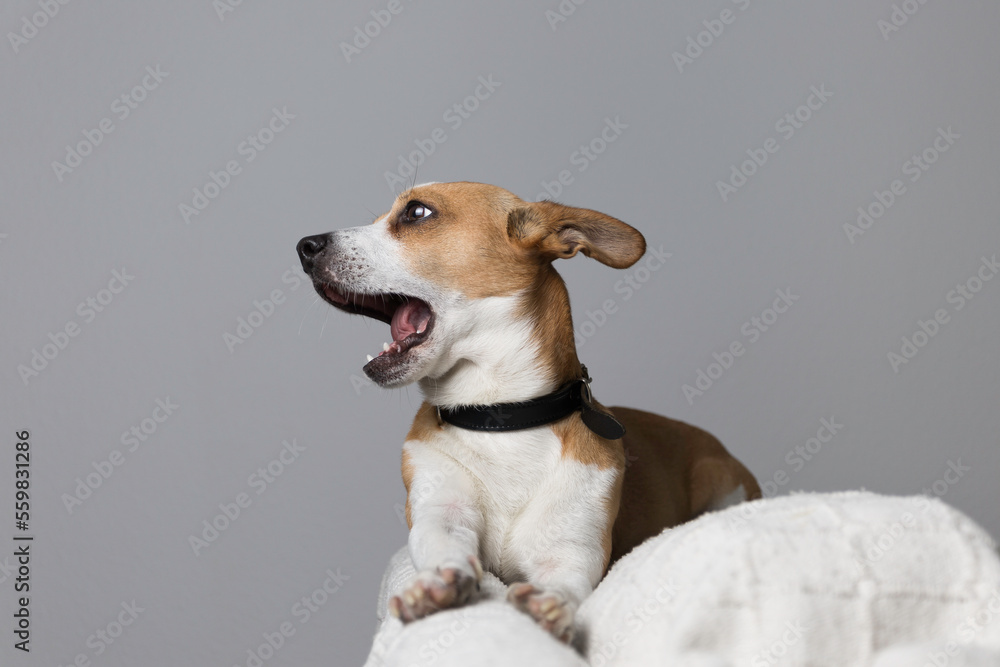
x=600 y=422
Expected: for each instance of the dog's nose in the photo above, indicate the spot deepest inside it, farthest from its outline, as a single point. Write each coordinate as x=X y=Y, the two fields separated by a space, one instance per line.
x=309 y=248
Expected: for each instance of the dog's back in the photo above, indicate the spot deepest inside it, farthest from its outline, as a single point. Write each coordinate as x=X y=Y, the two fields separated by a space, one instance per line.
x=673 y=473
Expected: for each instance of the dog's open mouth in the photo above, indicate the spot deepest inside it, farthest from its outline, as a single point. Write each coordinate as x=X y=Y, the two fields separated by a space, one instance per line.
x=410 y=320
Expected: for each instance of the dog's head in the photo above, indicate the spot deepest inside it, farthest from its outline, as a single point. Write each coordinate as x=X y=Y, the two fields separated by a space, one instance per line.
x=459 y=271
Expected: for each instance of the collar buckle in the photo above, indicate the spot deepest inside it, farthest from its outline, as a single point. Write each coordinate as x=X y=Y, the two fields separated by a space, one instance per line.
x=588 y=395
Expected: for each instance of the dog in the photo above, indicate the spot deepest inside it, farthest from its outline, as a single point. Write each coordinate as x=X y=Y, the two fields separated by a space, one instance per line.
x=510 y=464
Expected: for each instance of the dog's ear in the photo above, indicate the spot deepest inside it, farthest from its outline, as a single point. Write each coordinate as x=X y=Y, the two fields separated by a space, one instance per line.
x=556 y=231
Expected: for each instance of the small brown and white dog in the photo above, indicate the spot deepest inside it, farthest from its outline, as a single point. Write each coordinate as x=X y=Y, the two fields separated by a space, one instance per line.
x=463 y=275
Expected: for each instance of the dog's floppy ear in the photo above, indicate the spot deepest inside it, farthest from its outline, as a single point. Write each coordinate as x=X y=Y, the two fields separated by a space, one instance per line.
x=556 y=231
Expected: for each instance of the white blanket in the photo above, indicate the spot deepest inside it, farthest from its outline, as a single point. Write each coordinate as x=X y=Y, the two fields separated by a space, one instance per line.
x=812 y=579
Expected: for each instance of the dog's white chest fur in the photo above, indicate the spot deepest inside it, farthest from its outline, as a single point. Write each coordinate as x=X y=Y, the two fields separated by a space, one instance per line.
x=531 y=507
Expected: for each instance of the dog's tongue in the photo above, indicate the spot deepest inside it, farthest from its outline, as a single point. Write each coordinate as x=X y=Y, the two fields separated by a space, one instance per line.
x=412 y=316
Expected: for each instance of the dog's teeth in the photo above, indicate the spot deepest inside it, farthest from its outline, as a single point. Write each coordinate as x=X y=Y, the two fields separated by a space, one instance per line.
x=370 y=357
x=420 y=331
x=385 y=347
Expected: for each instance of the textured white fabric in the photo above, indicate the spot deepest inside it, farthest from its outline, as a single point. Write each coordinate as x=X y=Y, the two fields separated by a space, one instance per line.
x=839 y=579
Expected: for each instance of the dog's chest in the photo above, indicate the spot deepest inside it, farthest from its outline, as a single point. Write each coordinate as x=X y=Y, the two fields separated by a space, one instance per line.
x=509 y=470
x=514 y=481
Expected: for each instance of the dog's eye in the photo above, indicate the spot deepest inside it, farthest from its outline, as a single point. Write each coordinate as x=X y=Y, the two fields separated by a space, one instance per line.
x=416 y=211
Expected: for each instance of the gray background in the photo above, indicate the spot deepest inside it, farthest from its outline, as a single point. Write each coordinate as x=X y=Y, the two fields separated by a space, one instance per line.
x=336 y=506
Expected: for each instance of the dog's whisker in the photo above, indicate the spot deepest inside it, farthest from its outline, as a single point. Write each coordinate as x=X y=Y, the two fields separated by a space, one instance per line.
x=323 y=328
x=306 y=314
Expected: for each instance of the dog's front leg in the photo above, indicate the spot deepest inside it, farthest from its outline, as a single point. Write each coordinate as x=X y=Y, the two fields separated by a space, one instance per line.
x=563 y=542
x=446 y=523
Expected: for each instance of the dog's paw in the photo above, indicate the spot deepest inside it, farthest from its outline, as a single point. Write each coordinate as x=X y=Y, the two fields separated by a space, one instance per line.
x=433 y=590
x=552 y=610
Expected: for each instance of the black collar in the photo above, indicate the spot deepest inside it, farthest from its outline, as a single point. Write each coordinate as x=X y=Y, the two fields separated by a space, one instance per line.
x=501 y=417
